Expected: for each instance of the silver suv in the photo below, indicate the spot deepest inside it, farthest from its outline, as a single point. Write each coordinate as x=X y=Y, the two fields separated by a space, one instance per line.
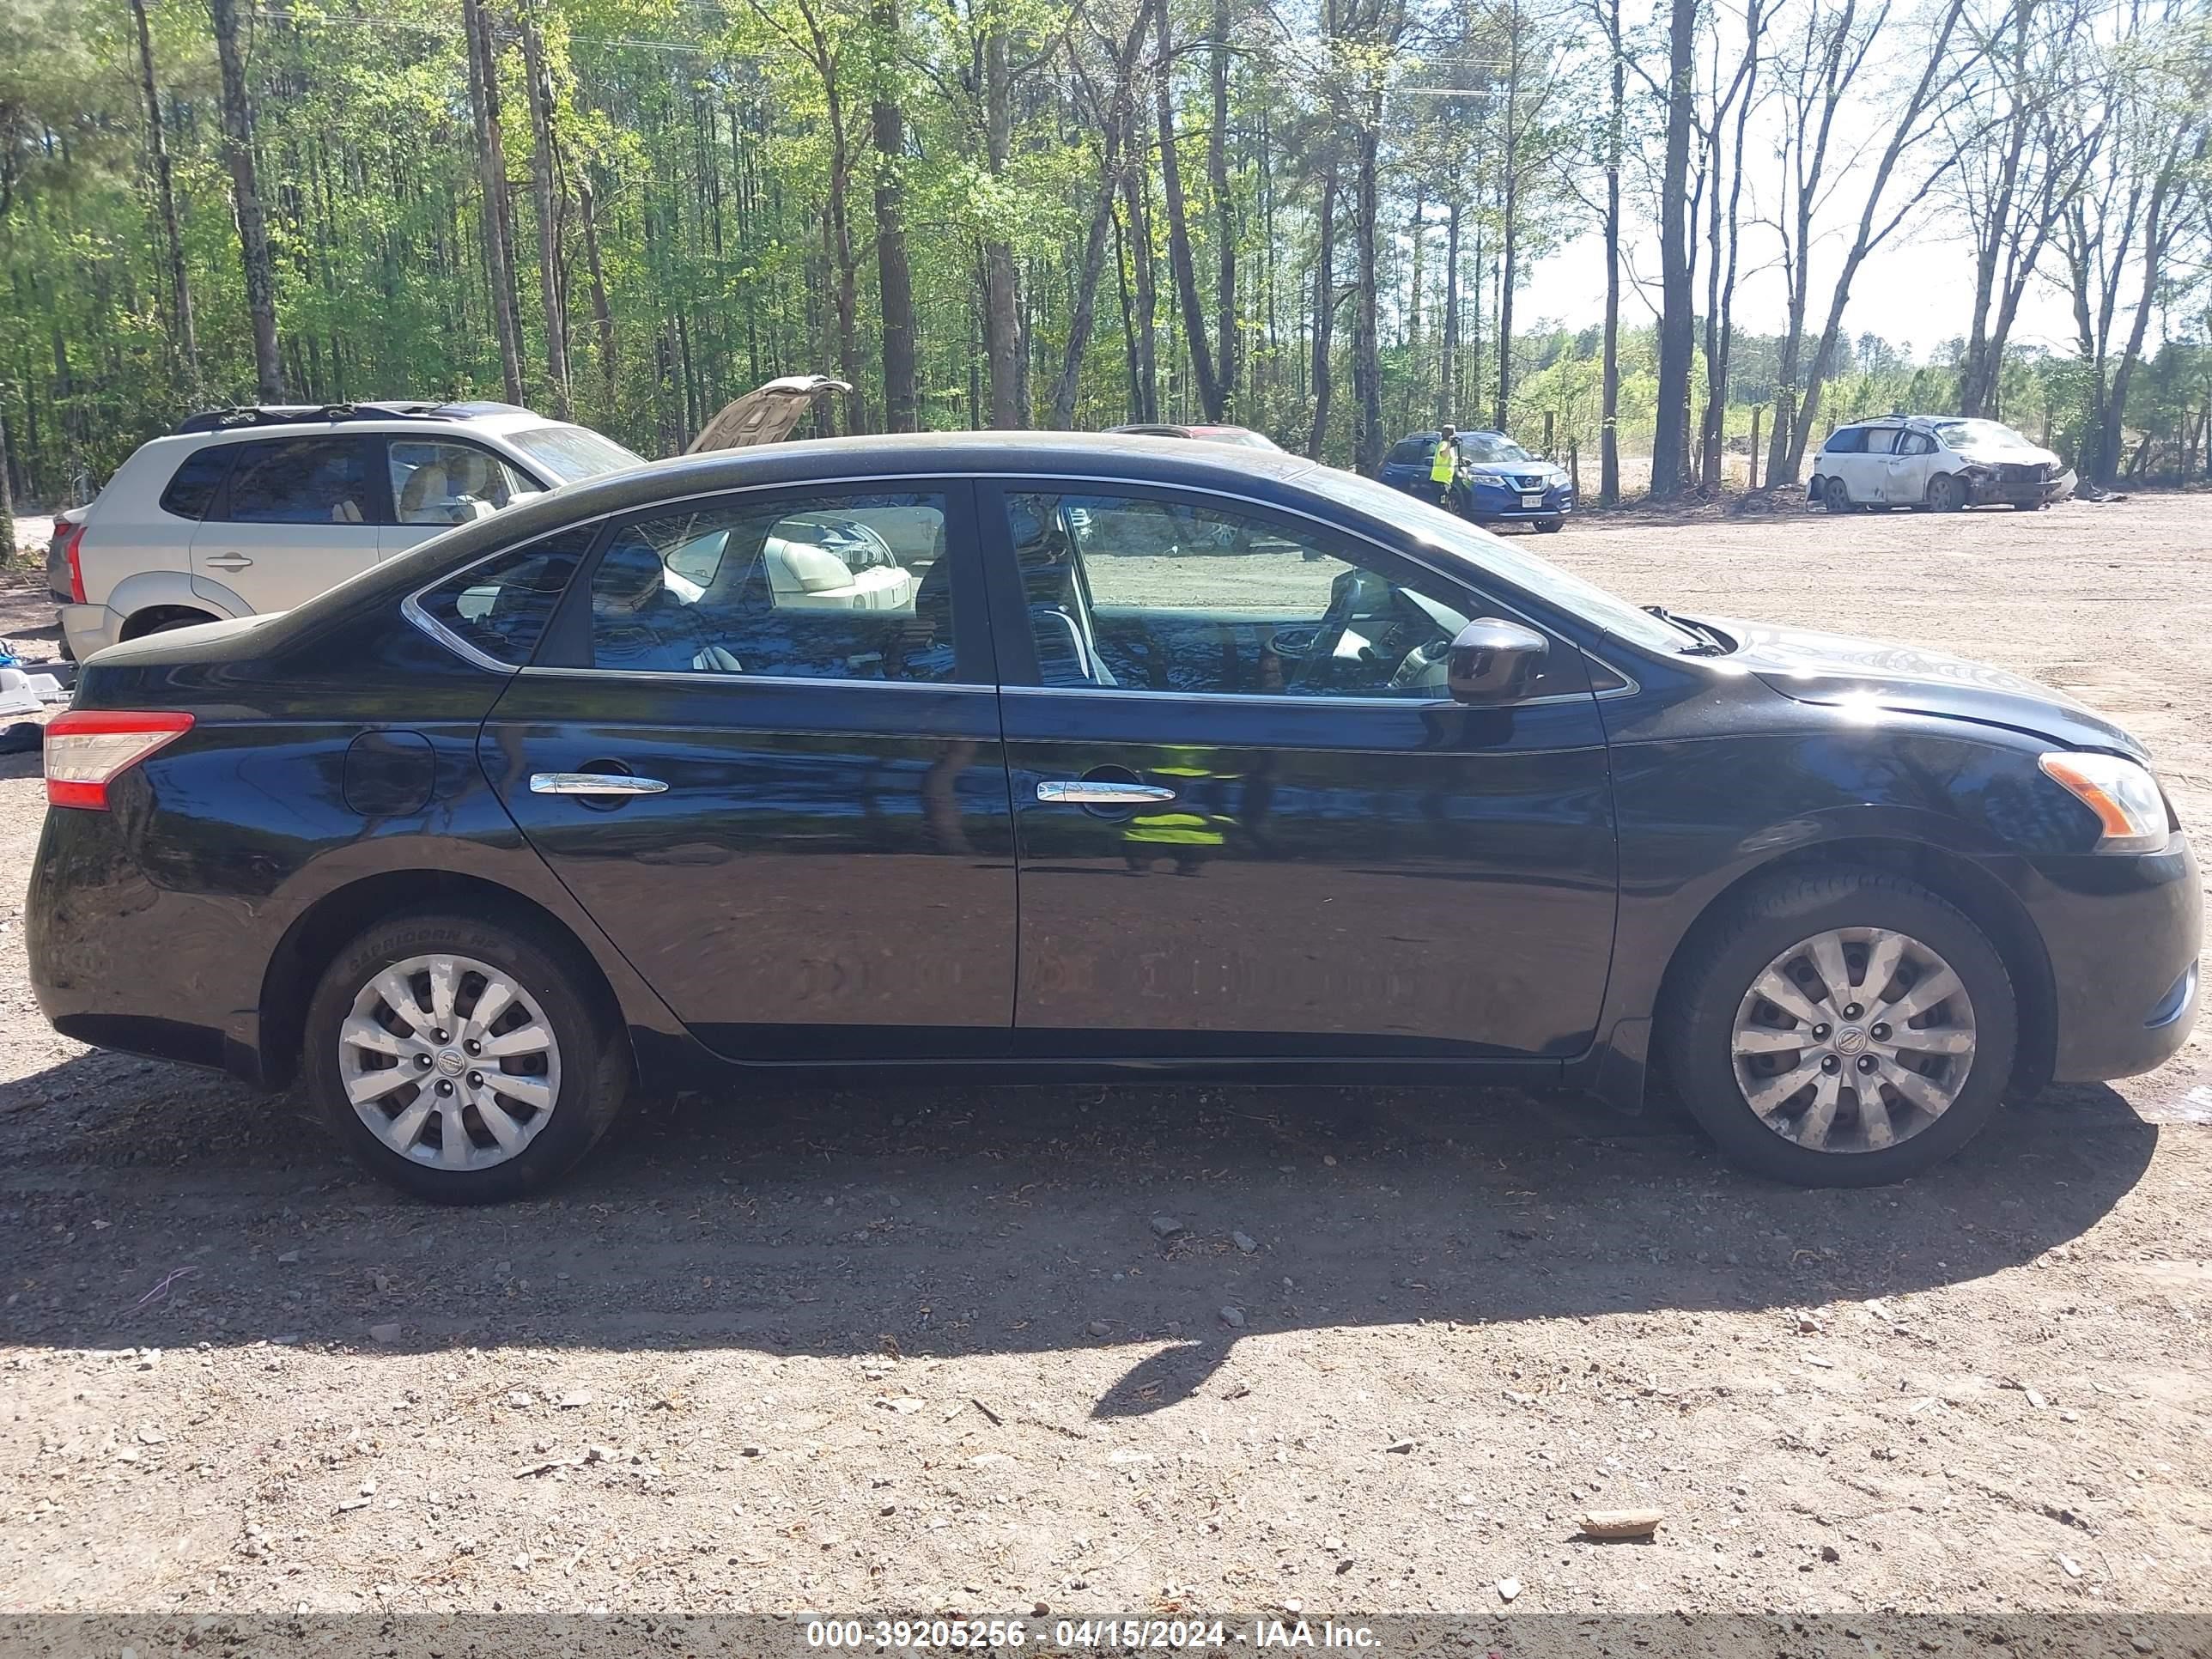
x=244 y=511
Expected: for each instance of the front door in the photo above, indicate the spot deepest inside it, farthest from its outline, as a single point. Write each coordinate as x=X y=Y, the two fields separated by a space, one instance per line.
x=296 y=516
x=438 y=482
x=1248 y=818
x=761 y=749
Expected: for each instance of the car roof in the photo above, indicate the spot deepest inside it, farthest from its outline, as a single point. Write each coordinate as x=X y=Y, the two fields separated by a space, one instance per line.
x=280 y=420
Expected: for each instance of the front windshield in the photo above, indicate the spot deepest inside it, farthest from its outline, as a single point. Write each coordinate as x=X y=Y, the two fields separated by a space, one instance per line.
x=1994 y=432
x=1489 y=447
x=1454 y=535
x=570 y=453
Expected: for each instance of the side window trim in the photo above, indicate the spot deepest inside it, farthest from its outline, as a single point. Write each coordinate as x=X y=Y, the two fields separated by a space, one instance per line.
x=566 y=646
x=1010 y=623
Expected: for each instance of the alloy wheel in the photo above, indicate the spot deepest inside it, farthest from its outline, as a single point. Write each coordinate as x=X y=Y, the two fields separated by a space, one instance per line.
x=1853 y=1040
x=449 y=1062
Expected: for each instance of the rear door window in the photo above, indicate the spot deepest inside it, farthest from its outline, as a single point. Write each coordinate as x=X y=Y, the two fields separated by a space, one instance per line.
x=320 y=480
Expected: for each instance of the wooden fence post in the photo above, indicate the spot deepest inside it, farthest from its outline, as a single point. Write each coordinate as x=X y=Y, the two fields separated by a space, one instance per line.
x=1757 y=411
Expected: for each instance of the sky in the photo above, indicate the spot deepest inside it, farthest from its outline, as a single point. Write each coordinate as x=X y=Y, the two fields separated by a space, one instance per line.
x=1915 y=290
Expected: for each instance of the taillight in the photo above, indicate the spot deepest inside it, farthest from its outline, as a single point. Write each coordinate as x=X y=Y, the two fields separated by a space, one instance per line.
x=87 y=752
x=72 y=539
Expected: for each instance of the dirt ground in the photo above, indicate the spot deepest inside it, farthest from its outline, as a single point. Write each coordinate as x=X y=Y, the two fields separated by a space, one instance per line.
x=1154 y=1348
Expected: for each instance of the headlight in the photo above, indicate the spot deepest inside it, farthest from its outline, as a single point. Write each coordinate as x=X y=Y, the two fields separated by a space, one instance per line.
x=2123 y=796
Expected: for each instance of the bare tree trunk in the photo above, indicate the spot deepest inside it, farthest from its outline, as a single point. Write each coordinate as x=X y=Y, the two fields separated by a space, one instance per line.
x=7 y=481
x=1677 y=341
x=491 y=164
x=1180 y=265
x=1448 y=348
x=1324 y=315
x=544 y=188
x=252 y=227
x=1869 y=235
x=165 y=202
x=602 y=320
x=1147 y=402
x=1225 y=214
x=894 y=276
x=1608 y=473
x=1001 y=314
x=1080 y=318
x=1366 y=345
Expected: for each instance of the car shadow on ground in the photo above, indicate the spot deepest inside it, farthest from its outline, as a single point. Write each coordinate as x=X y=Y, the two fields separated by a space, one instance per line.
x=144 y=1206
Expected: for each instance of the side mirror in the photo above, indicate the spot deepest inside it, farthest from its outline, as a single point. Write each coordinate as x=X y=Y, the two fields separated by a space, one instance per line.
x=1493 y=661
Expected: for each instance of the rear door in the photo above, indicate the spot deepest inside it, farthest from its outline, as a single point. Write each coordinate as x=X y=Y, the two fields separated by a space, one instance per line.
x=1249 y=819
x=296 y=516
x=770 y=767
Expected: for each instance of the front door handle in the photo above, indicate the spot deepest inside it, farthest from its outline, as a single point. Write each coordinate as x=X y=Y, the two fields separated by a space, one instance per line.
x=227 y=562
x=593 y=783
x=1081 y=792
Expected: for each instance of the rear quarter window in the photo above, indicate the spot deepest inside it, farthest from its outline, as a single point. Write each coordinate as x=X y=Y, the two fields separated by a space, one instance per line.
x=1412 y=452
x=197 y=482
x=1846 y=441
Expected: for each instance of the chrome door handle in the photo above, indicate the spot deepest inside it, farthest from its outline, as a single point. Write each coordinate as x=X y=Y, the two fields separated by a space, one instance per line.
x=1079 y=793
x=593 y=783
x=227 y=562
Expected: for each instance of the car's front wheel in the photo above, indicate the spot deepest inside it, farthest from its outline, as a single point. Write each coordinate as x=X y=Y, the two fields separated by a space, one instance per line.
x=1842 y=1029
x=1946 y=493
x=461 y=1058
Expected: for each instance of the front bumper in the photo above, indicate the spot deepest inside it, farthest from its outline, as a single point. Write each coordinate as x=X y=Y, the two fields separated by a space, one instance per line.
x=88 y=628
x=2123 y=935
x=1490 y=503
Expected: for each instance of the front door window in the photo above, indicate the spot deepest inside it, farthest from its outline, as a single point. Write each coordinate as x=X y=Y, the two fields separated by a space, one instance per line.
x=1153 y=593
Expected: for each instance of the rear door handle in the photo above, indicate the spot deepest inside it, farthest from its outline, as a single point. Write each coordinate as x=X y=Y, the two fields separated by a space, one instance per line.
x=1077 y=793
x=227 y=562
x=595 y=783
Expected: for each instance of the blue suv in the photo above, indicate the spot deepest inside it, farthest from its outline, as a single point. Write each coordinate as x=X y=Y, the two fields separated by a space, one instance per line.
x=1500 y=482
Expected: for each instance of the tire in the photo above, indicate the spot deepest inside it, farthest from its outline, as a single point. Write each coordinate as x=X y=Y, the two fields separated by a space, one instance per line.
x=573 y=1038
x=1709 y=1013
x=1836 y=496
x=165 y=621
x=1550 y=526
x=1946 y=493
x=2028 y=507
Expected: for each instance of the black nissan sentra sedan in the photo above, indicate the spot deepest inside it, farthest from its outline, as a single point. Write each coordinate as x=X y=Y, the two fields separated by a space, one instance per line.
x=884 y=754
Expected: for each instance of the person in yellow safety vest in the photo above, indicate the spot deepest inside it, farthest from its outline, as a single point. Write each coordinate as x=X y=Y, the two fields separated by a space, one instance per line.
x=1443 y=469
x=1176 y=831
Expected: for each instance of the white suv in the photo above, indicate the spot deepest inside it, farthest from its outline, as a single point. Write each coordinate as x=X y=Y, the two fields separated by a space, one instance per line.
x=1938 y=462
x=244 y=511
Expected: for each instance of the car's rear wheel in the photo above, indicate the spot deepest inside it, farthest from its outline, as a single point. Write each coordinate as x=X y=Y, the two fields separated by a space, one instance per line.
x=1836 y=496
x=461 y=1058
x=1946 y=493
x=1842 y=1029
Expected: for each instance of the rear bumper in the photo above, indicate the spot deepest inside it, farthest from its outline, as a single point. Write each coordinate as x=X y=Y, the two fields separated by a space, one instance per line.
x=120 y=961
x=2123 y=936
x=88 y=628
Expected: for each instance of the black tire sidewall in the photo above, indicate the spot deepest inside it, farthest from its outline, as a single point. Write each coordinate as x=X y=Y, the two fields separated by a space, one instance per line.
x=595 y=1065
x=1769 y=921
x=1836 y=496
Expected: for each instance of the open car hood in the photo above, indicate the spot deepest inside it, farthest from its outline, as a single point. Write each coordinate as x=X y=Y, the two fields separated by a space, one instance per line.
x=765 y=415
x=1841 y=670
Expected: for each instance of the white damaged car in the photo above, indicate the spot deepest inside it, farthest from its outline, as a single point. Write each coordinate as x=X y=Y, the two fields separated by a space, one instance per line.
x=1940 y=462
